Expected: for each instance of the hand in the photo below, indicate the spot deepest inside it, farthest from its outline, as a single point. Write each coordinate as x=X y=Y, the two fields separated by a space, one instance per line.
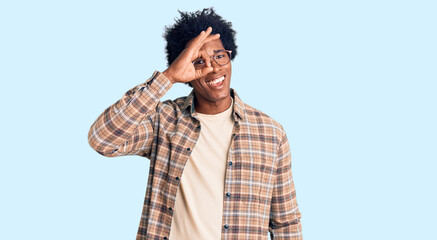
x=182 y=69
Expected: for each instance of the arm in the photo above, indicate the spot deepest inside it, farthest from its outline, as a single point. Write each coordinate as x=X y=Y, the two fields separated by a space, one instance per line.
x=284 y=213
x=126 y=127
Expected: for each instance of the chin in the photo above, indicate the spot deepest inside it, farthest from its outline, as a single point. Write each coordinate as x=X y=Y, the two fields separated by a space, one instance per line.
x=223 y=95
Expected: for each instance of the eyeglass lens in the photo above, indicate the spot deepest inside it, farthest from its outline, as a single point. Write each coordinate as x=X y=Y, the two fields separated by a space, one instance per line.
x=221 y=58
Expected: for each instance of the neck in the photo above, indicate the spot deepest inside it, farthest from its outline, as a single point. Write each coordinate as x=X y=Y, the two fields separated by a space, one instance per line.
x=207 y=107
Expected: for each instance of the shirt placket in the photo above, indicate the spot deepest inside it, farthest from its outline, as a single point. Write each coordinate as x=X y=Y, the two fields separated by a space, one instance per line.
x=177 y=175
x=227 y=224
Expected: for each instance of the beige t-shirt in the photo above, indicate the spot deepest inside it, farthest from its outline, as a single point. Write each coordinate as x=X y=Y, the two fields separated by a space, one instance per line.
x=199 y=200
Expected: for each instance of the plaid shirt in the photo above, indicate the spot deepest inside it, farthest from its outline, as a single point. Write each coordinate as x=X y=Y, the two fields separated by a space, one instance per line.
x=258 y=173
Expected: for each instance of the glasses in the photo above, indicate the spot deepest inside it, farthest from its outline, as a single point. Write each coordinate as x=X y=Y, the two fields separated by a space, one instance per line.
x=221 y=57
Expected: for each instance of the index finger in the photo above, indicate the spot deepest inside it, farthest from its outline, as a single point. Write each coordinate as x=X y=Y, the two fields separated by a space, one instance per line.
x=202 y=36
x=203 y=54
x=211 y=38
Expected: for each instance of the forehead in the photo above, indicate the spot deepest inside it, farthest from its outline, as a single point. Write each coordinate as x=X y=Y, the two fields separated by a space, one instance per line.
x=209 y=47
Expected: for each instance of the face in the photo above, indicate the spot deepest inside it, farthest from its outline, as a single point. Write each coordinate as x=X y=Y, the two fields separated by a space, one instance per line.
x=214 y=88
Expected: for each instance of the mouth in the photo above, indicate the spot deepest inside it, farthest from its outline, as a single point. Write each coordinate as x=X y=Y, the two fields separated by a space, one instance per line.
x=216 y=82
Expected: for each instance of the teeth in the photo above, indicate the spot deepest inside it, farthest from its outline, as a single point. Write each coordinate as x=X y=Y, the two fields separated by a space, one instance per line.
x=215 y=81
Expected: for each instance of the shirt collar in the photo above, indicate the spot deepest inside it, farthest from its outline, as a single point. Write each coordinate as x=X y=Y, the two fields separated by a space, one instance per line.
x=238 y=111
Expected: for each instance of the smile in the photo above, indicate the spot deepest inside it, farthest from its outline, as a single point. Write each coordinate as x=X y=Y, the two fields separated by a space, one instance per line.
x=215 y=81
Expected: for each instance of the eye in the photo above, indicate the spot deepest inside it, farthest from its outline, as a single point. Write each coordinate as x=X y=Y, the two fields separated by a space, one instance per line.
x=199 y=61
x=220 y=56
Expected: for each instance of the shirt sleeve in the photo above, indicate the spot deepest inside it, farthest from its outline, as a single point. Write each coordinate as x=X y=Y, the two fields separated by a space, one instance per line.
x=126 y=127
x=284 y=213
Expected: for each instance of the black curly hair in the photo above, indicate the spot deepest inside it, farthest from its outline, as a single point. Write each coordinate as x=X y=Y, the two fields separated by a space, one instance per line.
x=190 y=24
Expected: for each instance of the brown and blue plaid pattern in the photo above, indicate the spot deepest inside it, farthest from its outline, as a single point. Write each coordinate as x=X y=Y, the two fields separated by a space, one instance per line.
x=258 y=175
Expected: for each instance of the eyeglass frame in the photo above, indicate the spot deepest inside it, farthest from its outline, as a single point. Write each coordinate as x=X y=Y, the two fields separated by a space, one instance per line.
x=213 y=58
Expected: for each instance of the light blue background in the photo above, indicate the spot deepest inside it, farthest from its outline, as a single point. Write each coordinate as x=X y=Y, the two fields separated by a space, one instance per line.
x=352 y=82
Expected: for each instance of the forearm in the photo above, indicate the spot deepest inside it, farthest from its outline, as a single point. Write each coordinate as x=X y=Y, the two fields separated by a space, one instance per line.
x=288 y=230
x=126 y=127
x=284 y=214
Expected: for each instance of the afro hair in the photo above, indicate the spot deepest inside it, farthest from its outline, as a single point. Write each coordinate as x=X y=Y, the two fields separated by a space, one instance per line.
x=189 y=25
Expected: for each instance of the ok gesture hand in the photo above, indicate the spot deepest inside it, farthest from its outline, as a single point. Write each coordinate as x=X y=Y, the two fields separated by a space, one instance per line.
x=182 y=69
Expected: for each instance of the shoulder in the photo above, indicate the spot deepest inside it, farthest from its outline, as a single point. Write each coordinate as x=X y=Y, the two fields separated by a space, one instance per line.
x=172 y=103
x=177 y=104
x=259 y=119
x=174 y=110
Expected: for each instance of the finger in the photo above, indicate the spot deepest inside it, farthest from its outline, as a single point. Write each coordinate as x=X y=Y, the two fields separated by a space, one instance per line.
x=196 y=43
x=208 y=31
x=211 y=38
x=203 y=72
x=199 y=38
x=203 y=54
x=202 y=36
x=208 y=39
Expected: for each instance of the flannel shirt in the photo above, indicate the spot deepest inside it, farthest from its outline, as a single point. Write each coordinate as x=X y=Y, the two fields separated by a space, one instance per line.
x=258 y=171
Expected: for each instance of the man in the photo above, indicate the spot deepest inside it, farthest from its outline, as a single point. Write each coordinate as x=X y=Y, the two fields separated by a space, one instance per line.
x=219 y=169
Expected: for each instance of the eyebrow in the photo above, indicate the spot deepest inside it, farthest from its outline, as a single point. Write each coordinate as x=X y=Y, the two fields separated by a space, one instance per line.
x=216 y=51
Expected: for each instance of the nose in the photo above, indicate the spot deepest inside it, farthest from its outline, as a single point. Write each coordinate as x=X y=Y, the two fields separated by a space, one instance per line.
x=216 y=67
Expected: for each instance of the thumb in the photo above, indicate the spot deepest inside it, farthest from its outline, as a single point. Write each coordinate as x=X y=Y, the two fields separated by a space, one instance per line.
x=204 y=71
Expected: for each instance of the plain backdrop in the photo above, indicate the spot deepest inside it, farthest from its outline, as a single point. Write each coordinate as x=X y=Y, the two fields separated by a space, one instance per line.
x=352 y=82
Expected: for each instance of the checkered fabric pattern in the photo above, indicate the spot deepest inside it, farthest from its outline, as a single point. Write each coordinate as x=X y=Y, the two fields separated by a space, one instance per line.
x=258 y=173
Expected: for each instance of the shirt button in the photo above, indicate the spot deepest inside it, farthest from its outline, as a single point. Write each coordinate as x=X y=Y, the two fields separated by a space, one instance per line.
x=188 y=149
x=228 y=194
x=226 y=226
x=165 y=238
x=177 y=178
x=230 y=163
x=170 y=208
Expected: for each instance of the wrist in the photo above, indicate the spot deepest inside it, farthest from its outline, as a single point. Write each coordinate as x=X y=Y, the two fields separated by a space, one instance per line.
x=168 y=76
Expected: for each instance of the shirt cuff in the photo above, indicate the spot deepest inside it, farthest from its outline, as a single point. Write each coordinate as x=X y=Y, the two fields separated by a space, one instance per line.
x=158 y=84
